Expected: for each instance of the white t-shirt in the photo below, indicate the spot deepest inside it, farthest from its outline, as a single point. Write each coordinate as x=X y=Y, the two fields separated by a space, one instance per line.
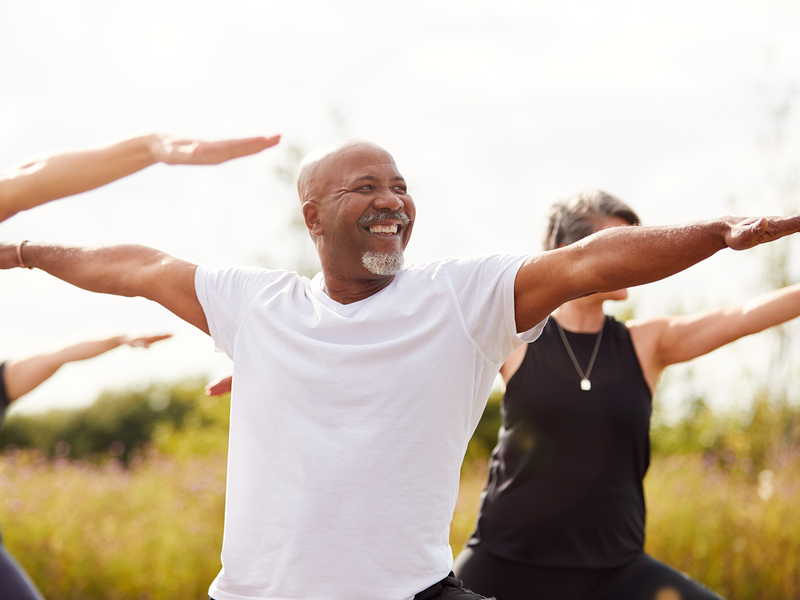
x=349 y=423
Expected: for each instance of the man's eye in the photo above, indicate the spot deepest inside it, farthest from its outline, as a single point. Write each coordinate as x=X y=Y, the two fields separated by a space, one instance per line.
x=401 y=188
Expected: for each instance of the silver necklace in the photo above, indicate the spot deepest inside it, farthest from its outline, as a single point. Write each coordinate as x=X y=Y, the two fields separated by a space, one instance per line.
x=586 y=385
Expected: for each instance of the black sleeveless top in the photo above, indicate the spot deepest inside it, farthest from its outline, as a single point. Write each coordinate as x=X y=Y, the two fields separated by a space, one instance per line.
x=565 y=479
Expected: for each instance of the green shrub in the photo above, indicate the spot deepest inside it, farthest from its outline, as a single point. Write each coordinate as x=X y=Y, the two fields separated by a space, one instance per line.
x=119 y=422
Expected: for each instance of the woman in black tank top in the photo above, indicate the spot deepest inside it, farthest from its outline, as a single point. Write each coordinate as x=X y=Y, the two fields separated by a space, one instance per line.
x=563 y=512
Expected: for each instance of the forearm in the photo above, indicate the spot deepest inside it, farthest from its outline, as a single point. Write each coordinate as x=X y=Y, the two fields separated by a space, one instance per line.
x=676 y=339
x=622 y=257
x=25 y=374
x=770 y=309
x=90 y=349
x=121 y=270
x=53 y=176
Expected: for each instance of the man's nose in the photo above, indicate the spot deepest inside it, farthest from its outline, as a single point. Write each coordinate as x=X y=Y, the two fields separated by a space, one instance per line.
x=387 y=199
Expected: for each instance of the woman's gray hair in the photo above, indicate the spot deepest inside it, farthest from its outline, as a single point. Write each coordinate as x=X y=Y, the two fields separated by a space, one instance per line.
x=580 y=216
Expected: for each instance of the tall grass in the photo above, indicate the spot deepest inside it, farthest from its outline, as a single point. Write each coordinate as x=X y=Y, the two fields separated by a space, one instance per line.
x=738 y=534
x=722 y=498
x=154 y=531
x=91 y=531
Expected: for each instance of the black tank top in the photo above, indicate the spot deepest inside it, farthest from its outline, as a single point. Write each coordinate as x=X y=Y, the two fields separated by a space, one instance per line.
x=565 y=479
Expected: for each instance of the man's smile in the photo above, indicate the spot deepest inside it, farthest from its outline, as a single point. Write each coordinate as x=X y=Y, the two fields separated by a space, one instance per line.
x=385 y=224
x=383 y=229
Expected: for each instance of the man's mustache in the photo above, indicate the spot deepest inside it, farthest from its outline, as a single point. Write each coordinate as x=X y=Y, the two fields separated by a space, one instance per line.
x=396 y=215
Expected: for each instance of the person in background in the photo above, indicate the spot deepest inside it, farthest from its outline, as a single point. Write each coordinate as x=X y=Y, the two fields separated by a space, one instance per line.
x=563 y=513
x=23 y=375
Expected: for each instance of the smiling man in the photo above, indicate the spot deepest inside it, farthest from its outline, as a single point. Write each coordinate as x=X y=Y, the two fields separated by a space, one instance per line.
x=356 y=182
x=357 y=391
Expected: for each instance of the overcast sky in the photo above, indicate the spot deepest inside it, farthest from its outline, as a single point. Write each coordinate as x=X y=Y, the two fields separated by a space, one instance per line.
x=492 y=111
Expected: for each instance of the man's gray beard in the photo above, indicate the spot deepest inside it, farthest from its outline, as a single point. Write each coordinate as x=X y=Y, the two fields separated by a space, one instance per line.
x=382 y=263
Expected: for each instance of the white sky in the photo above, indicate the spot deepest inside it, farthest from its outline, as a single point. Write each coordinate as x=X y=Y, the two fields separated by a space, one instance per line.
x=492 y=111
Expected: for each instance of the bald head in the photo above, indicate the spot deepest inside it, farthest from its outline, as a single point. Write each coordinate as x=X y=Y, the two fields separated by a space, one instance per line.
x=323 y=166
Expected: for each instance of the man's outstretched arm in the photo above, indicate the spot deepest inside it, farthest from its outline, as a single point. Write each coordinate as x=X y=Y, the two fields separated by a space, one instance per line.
x=123 y=270
x=49 y=177
x=621 y=257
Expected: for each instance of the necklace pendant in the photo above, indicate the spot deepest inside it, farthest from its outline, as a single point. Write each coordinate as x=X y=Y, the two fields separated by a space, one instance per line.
x=586 y=385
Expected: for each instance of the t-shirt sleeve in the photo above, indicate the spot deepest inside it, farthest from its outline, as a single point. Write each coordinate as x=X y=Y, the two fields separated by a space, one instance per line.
x=484 y=289
x=226 y=295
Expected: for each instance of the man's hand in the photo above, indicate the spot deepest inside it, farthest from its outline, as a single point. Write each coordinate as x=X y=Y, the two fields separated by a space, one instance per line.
x=750 y=232
x=177 y=151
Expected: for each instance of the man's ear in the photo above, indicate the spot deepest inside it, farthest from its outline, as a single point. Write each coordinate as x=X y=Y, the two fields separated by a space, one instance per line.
x=311 y=217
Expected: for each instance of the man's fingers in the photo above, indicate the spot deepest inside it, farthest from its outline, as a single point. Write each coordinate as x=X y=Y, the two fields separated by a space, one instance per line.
x=762 y=230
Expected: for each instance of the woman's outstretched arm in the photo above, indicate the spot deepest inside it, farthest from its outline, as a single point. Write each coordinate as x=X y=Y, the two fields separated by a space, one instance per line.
x=25 y=374
x=51 y=176
x=666 y=341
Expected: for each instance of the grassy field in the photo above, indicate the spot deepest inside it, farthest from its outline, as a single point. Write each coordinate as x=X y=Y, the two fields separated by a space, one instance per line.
x=722 y=495
x=154 y=531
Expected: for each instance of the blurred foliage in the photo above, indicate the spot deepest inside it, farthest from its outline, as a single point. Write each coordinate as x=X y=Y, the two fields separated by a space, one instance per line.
x=738 y=534
x=121 y=423
x=744 y=442
x=485 y=436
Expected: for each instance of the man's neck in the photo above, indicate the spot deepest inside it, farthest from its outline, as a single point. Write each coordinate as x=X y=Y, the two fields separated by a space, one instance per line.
x=346 y=290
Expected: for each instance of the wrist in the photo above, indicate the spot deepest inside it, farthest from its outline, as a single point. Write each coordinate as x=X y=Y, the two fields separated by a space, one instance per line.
x=154 y=144
x=727 y=230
